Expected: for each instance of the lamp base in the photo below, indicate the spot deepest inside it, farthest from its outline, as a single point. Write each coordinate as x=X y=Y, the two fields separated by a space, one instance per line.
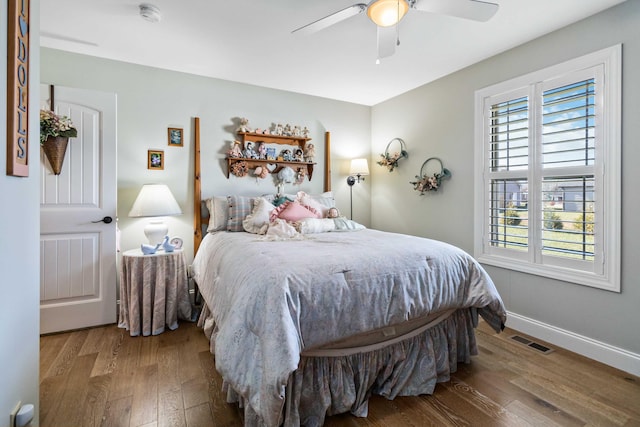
x=155 y=231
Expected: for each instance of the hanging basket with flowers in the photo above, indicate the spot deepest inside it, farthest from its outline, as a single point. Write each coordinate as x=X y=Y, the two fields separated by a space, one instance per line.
x=425 y=182
x=390 y=161
x=55 y=132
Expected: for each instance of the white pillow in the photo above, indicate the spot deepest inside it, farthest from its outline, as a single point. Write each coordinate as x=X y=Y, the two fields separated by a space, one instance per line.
x=315 y=225
x=344 y=224
x=325 y=225
x=218 y=213
x=257 y=222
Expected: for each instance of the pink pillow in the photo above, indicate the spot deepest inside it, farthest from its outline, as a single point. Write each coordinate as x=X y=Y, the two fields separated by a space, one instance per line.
x=292 y=211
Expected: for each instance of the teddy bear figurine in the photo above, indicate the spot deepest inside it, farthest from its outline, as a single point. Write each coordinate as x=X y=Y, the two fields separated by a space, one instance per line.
x=244 y=125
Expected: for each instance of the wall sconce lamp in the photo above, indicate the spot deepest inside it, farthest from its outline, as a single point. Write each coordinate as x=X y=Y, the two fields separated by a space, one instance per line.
x=155 y=200
x=359 y=168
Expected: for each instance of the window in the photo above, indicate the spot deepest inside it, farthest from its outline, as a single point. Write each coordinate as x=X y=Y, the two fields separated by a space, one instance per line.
x=548 y=172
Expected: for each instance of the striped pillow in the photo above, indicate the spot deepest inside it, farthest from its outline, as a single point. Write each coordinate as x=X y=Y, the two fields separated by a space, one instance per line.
x=239 y=208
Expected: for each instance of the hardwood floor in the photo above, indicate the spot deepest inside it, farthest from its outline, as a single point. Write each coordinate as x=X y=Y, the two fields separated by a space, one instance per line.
x=104 y=377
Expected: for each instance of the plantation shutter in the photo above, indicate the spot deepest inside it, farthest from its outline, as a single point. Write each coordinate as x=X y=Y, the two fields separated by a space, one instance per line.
x=568 y=160
x=547 y=191
x=508 y=165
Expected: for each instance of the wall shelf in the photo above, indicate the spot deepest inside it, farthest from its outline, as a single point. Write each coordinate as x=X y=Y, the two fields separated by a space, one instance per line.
x=279 y=164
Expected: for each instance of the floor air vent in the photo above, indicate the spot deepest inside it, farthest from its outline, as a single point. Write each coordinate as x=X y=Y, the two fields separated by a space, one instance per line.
x=539 y=347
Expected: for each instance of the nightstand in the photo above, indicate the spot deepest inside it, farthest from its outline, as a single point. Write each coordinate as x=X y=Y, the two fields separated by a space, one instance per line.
x=154 y=292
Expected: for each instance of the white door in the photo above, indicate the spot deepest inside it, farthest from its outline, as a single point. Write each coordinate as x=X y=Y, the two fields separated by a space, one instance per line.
x=77 y=249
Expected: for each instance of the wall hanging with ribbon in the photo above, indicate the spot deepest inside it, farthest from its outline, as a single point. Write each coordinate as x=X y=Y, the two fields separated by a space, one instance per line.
x=426 y=182
x=390 y=161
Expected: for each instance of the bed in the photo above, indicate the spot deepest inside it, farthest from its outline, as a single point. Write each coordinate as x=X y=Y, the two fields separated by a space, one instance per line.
x=311 y=324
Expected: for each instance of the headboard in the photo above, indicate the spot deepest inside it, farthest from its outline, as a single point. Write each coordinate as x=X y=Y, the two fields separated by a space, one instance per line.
x=200 y=214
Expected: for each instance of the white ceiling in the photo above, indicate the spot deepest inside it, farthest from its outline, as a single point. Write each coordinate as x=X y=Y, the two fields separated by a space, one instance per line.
x=250 y=41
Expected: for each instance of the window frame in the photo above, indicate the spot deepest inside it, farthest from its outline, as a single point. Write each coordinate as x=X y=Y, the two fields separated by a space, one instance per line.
x=606 y=266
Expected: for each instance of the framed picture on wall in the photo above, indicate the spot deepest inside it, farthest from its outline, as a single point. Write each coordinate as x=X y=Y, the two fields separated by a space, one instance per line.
x=175 y=137
x=155 y=159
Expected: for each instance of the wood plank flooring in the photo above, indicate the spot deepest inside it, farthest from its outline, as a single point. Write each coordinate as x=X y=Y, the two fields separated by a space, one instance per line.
x=104 y=377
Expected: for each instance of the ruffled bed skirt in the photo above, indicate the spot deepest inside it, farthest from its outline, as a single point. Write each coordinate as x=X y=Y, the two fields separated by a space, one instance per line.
x=323 y=386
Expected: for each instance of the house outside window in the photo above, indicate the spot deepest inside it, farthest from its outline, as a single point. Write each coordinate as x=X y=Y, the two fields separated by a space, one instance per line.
x=547 y=159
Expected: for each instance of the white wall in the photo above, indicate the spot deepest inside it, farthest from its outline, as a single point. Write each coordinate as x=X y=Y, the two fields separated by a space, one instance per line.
x=150 y=100
x=437 y=120
x=19 y=251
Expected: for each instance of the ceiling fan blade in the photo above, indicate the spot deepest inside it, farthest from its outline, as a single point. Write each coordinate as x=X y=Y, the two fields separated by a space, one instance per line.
x=332 y=19
x=475 y=10
x=387 y=40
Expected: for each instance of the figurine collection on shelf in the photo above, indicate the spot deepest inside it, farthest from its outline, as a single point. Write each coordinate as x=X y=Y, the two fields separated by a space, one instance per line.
x=260 y=151
x=277 y=129
x=251 y=154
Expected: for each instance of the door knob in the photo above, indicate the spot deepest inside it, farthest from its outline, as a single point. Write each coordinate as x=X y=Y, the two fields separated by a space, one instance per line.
x=106 y=220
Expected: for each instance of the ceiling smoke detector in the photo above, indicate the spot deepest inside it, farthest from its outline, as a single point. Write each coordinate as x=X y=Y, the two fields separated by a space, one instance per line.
x=150 y=12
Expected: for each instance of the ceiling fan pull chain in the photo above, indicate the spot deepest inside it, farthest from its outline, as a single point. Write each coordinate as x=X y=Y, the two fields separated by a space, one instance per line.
x=398 y=26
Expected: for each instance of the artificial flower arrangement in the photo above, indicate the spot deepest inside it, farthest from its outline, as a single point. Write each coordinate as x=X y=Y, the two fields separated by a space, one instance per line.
x=425 y=182
x=54 y=125
x=390 y=161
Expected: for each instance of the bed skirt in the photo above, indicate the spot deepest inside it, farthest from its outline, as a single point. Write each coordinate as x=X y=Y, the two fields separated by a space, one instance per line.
x=324 y=386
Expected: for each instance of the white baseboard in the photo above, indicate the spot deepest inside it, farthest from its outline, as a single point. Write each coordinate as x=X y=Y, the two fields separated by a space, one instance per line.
x=585 y=346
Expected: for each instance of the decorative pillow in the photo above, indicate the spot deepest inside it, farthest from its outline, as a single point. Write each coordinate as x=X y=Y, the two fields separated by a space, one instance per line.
x=321 y=203
x=258 y=221
x=315 y=225
x=324 y=225
x=344 y=224
x=306 y=200
x=292 y=211
x=281 y=229
x=218 y=207
x=239 y=208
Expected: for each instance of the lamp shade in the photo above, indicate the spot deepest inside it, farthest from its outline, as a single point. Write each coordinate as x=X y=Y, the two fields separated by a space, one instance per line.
x=155 y=200
x=359 y=167
x=386 y=13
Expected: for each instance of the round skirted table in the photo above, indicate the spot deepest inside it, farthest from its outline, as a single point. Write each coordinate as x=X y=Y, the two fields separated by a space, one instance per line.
x=154 y=292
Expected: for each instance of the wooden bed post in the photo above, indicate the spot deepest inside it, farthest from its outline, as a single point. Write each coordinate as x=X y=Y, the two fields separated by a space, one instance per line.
x=197 y=190
x=327 y=161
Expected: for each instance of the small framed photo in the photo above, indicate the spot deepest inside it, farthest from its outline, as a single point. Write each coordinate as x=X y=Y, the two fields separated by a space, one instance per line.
x=271 y=153
x=155 y=159
x=175 y=137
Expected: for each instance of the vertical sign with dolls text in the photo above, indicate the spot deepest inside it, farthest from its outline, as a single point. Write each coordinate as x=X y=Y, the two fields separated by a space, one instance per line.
x=18 y=88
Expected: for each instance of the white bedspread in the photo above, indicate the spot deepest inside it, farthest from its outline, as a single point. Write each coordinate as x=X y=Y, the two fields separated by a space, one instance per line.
x=271 y=299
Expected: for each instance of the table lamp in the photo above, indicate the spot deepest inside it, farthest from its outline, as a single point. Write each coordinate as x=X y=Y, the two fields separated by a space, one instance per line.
x=155 y=200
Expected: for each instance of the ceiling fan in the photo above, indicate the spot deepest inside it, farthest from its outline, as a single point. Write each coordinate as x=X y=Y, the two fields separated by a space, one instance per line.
x=386 y=14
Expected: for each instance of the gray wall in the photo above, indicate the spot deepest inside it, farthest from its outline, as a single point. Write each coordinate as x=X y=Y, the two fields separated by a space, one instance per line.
x=150 y=100
x=20 y=250
x=438 y=119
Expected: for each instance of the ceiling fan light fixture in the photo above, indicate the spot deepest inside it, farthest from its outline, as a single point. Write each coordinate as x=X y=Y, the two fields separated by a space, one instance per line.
x=386 y=13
